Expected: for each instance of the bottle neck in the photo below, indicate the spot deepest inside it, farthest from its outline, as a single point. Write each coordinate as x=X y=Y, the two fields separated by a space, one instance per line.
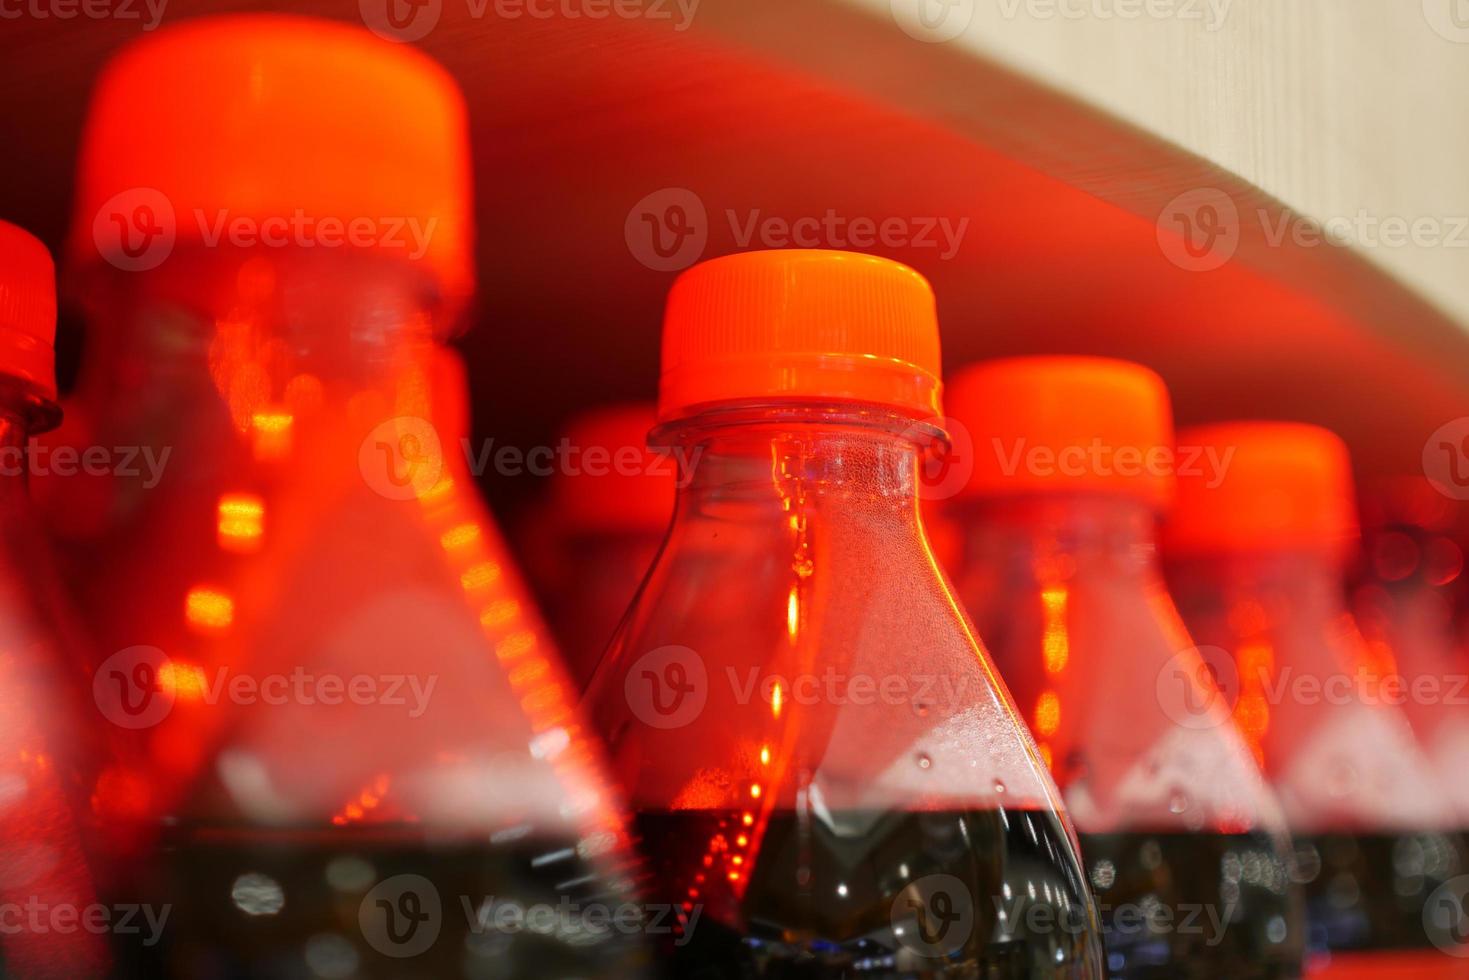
x=1062 y=536
x=1302 y=588
x=765 y=464
x=260 y=341
x=25 y=411
x=15 y=433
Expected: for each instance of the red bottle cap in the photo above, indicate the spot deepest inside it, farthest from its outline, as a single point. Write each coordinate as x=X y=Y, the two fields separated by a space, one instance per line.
x=804 y=324
x=27 y=310
x=277 y=119
x=1074 y=424
x=625 y=487
x=1285 y=486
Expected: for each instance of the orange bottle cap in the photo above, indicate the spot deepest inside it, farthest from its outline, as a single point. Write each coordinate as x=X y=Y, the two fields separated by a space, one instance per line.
x=27 y=310
x=622 y=486
x=1075 y=424
x=1285 y=486
x=805 y=324
x=288 y=127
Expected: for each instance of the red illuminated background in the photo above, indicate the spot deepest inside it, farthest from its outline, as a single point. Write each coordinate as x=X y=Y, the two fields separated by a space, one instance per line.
x=794 y=107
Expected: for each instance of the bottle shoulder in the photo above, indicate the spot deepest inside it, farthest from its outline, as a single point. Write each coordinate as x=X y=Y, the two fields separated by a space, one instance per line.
x=848 y=667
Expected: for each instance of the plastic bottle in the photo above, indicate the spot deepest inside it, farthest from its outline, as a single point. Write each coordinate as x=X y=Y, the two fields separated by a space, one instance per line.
x=828 y=775
x=611 y=501
x=46 y=885
x=361 y=753
x=1410 y=586
x=1185 y=847
x=1258 y=552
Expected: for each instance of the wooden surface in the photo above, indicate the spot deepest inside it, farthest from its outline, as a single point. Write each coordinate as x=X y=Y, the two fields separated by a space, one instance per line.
x=1333 y=108
x=796 y=108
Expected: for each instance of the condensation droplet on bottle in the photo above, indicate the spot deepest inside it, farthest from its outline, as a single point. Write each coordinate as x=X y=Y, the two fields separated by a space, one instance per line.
x=999 y=786
x=924 y=761
x=1178 y=802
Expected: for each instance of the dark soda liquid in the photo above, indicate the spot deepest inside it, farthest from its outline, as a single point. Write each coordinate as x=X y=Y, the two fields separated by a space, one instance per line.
x=366 y=902
x=1367 y=892
x=813 y=895
x=1196 y=906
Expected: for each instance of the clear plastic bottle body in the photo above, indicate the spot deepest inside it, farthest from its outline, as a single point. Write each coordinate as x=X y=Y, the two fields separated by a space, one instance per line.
x=1375 y=835
x=356 y=742
x=1406 y=605
x=828 y=775
x=47 y=884
x=1171 y=811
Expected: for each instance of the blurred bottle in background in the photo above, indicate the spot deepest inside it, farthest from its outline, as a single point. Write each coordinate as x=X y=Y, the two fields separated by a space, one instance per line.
x=829 y=777
x=1258 y=554
x=1059 y=568
x=46 y=739
x=360 y=748
x=610 y=502
x=1410 y=587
